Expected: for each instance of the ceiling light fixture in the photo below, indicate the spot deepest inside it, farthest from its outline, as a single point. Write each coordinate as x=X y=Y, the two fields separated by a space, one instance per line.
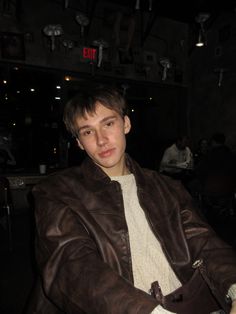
x=201 y=18
x=83 y=21
x=53 y=30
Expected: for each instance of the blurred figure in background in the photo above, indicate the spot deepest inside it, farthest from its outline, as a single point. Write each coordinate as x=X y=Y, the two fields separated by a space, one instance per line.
x=177 y=159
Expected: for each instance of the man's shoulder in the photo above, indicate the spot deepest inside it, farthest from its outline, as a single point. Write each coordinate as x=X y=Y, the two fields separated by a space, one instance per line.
x=172 y=146
x=170 y=149
x=60 y=178
x=67 y=173
x=159 y=184
x=155 y=175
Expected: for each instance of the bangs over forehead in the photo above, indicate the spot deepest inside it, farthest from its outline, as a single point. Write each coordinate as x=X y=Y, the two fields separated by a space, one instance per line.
x=85 y=102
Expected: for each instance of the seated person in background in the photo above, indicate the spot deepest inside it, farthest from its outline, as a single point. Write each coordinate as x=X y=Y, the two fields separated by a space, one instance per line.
x=176 y=158
x=115 y=238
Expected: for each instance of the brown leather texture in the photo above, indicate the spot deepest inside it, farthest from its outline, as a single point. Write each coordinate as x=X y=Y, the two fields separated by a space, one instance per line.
x=193 y=297
x=82 y=242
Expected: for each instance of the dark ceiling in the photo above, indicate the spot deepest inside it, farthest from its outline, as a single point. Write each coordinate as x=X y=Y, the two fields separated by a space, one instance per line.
x=183 y=10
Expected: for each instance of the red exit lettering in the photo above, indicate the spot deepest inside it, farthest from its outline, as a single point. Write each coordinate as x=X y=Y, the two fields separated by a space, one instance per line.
x=89 y=53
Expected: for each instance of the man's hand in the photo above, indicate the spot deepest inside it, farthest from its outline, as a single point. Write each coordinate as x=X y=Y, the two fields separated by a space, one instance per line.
x=233 y=307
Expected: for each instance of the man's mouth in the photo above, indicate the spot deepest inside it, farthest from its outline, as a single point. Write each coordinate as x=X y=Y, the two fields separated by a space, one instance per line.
x=106 y=153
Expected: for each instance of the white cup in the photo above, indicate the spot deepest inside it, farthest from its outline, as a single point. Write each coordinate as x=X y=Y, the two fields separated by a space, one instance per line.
x=42 y=168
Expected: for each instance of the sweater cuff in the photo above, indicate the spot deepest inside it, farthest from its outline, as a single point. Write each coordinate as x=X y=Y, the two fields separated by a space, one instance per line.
x=232 y=292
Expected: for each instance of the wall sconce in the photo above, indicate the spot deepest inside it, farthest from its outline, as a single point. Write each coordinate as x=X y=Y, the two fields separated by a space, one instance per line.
x=201 y=18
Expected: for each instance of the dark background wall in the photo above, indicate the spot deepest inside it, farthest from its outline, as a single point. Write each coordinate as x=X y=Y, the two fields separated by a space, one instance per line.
x=158 y=106
x=212 y=96
x=189 y=100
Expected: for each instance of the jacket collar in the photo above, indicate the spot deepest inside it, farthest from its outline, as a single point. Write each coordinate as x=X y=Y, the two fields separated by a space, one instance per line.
x=93 y=172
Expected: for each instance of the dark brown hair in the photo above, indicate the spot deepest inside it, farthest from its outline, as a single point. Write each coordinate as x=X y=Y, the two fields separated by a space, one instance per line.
x=85 y=102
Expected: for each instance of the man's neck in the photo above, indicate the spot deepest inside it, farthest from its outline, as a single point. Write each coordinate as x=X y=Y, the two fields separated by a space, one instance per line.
x=117 y=171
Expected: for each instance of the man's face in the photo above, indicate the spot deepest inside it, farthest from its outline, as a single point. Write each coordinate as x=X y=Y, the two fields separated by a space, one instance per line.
x=102 y=136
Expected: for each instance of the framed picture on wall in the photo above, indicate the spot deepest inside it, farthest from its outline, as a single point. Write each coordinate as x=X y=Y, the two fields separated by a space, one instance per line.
x=12 y=46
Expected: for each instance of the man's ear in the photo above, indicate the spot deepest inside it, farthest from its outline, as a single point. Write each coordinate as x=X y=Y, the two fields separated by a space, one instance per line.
x=79 y=144
x=127 y=124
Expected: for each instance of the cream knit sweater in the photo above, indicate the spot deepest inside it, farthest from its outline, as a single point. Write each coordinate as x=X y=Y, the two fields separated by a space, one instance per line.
x=148 y=261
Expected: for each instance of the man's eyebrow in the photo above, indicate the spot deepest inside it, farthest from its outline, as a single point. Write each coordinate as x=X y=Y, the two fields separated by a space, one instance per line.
x=87 y=126
x=108 y=118
x=83 y=127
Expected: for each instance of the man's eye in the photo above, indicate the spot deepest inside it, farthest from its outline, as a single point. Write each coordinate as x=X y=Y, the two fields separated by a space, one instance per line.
x=110 y=123
x=86 y=133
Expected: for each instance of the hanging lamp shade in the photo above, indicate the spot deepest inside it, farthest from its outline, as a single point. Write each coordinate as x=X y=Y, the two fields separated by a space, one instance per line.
x=53 y=30
x=165 y=62
x=100 y=43
x=200 y=42
x=83 y=21
x=201 y=18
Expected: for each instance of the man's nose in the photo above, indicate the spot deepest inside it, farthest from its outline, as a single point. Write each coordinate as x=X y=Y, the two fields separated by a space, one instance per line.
x=101 y=137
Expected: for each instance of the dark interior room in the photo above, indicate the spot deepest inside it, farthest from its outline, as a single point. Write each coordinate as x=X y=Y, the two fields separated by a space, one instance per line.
x=174 y=62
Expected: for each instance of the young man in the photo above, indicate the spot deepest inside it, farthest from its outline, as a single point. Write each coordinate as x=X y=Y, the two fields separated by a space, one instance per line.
x=109 y=231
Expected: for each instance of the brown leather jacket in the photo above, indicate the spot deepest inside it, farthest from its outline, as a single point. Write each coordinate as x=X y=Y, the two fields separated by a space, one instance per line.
x=82 y=242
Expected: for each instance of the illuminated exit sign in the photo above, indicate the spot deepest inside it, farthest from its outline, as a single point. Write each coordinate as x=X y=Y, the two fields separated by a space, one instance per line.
x=90 y=53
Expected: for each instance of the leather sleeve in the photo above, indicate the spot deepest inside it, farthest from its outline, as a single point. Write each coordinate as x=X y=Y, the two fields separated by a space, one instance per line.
x=219 y=259
x=74 y=275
